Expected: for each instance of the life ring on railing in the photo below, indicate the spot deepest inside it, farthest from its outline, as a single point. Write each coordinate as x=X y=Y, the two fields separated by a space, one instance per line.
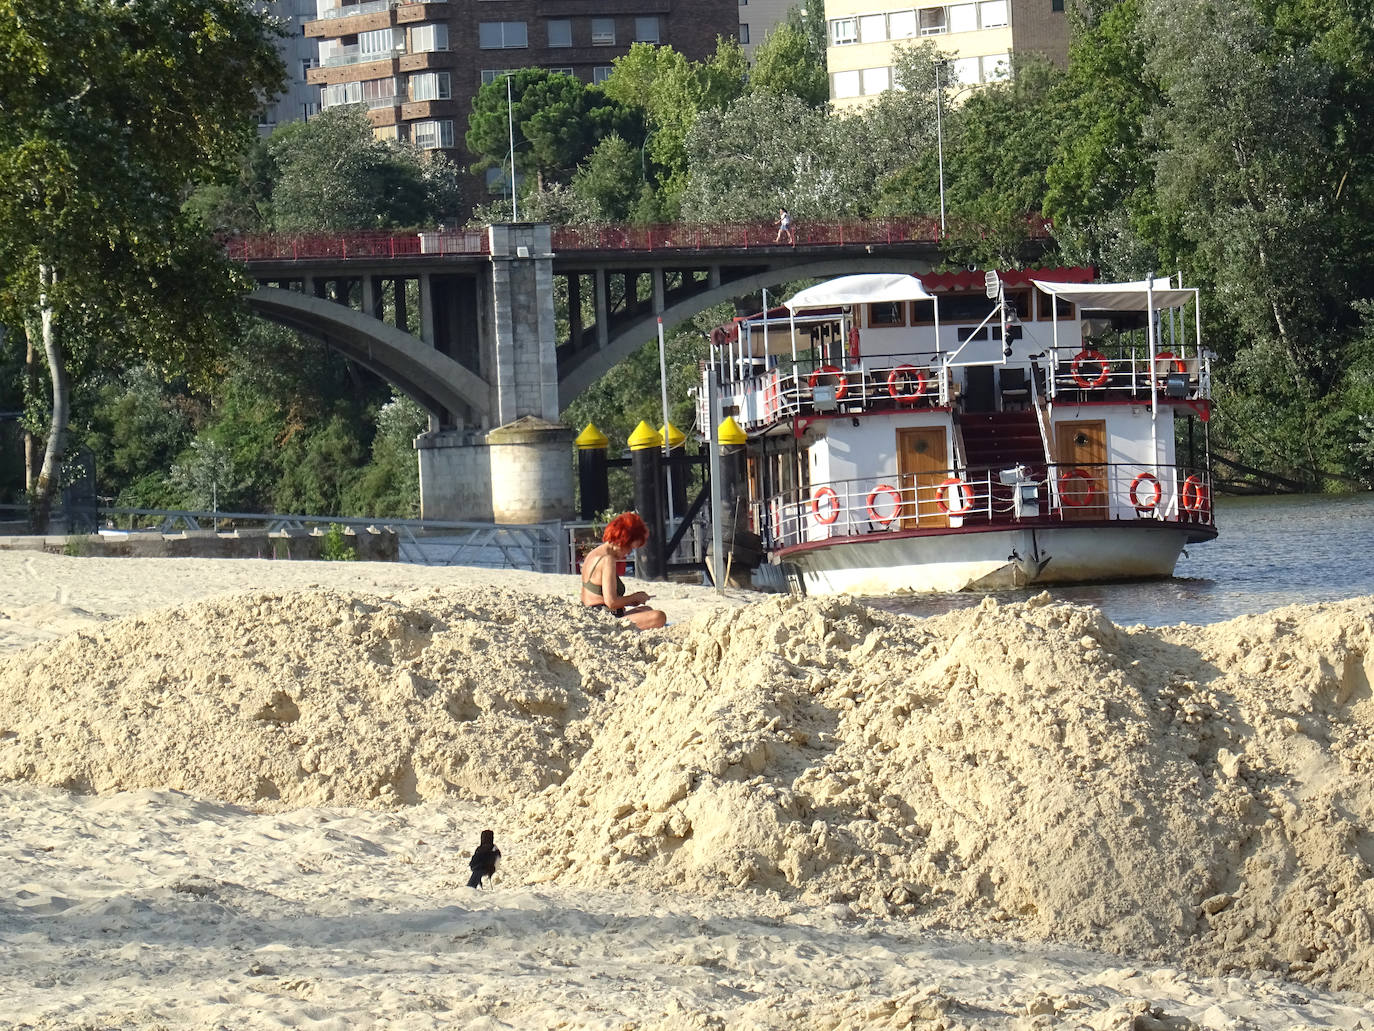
x=948 y=491
x=873 y=495
x=1193 y=496
x=902 y=375
x=841 y=381
x=827 y=495
x=1089 y=355
x=1169 y=356
x=1135 y=486
x=1080 y=500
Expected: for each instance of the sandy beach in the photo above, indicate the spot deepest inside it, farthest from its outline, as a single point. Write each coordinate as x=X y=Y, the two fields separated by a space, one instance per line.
x=242 y=794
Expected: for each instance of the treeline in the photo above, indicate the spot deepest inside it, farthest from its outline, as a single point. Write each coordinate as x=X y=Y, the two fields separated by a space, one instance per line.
x=1223 y=139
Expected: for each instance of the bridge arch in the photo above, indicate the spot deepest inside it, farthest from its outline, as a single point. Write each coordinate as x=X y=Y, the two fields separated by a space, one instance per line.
x=431 y=379
x=588 y=367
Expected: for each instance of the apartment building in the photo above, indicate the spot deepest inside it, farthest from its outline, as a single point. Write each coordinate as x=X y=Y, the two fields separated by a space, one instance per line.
x=300 y=99
x=757 y=18
x=978 y=36
x=417 y=64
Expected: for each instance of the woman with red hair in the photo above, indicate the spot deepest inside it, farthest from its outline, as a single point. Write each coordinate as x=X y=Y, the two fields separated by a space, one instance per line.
x=601 y=585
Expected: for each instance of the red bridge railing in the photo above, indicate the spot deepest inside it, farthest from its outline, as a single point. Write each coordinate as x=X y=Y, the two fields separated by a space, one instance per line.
x=602 y=237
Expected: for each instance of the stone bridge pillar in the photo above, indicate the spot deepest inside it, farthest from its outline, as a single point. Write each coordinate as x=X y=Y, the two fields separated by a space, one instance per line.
x=521 y=469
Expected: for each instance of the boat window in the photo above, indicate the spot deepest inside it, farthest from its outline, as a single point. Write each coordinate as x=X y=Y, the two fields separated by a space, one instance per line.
x=923 y=313
x=964 y=307
x=1019 y=300
x=1048 y=305
x=887 y=313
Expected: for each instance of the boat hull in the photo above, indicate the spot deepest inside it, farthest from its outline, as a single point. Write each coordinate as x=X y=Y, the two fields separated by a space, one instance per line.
x=989 y=559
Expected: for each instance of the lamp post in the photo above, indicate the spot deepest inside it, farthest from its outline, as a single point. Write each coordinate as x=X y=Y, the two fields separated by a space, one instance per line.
x=510 y=125
x=940 y=142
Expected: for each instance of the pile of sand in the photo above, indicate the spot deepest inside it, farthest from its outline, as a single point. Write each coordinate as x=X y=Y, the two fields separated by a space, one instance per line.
x=1027 y=770
x=317 y=697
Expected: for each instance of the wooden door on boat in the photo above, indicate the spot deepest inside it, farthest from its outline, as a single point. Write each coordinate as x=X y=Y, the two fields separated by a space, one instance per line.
x=1081 y=451
x=922 y=465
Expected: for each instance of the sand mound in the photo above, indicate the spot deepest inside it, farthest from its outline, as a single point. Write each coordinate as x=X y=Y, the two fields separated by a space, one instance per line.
x=316 y=697
x=1027 y=770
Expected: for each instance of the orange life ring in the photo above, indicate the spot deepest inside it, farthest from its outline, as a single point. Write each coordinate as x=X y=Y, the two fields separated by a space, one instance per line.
x=1193 y=496
x=842 y=383
x=884 y=488
x=1169 y=356
x=952 y=486
x=1089 y=355
x=1082 y=500
x=902 y=373
x=824 y=494
x=1135 y=484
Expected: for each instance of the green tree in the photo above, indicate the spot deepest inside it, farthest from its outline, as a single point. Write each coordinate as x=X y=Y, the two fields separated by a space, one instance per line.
x=557 y=120
x=110 y=111
x=331 y=174
x=671 y=92
x=785 y=62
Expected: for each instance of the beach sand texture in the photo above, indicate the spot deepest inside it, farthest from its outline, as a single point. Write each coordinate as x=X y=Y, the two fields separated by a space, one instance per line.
x=241 y=793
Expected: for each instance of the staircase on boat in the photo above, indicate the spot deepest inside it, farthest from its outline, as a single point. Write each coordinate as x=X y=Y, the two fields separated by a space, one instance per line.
x=994 y=441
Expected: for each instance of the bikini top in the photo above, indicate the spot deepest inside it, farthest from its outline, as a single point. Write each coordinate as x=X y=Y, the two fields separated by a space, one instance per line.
x=595 y=588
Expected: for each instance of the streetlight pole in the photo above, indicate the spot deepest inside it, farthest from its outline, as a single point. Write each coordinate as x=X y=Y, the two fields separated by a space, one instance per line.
x=940 y=143
x=510 y=126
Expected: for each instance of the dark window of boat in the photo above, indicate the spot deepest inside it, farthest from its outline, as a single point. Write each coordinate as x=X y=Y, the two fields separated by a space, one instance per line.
x=1048 y=305
x=967 y=308
x=923 y=313
x=888 y=313
x=1020 y=301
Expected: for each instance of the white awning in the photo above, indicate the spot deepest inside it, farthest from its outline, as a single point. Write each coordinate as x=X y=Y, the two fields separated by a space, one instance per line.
x=1119 y=296
x=875 y=288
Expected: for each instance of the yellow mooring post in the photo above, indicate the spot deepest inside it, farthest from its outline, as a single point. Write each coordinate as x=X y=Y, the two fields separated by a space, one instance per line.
x=592 y=484
x=646 y=465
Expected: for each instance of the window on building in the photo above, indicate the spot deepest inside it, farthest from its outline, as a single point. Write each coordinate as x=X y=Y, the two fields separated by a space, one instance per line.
x=564 y=71
x=901 y=24
x=341 y=93
x=381 y=42
x=843 y=31
x=965 y=70
x=490 y=75
x=502 y=35
x=992 y=14
x=434 y=135
x=932 y=20
x=601 y=73
x=603 y=32
x=646 y=30
x=845 y=84
x=963 y=17
x=306 y=64
x=309 y=111
x=996 y=67
x=876 y=80
x=560 y=32
x=1057 y=5
x=873 y=28
x=381 y=92
x=743 y=33
x=425 y=39
x=431 y=86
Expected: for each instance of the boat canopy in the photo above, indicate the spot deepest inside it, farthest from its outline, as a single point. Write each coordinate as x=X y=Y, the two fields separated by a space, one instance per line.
x=1135 y=296
x=873 y=288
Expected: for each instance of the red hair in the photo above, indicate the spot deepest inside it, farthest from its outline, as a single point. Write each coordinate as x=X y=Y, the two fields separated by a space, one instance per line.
x=624 y=530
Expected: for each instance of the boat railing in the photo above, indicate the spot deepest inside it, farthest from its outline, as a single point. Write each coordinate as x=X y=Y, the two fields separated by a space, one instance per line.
x=1087 y=374
x=760 y=393
x=970 y=499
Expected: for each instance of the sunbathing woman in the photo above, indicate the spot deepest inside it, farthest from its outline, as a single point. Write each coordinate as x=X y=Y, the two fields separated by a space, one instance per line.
x=601 y=585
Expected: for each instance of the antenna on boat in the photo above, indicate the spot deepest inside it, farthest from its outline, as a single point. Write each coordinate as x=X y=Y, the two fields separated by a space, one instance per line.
x=992 y=282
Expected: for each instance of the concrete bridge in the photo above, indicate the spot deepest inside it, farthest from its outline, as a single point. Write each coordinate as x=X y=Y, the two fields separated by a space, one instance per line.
x=495 y=331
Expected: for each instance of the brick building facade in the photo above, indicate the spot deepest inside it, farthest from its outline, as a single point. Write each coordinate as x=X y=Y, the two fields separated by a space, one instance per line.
x=417 y=64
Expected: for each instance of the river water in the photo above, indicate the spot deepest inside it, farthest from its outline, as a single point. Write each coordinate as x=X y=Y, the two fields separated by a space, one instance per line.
x=1270 y=552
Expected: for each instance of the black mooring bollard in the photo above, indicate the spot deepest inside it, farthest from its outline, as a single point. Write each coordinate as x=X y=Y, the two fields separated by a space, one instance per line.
x=592 y=484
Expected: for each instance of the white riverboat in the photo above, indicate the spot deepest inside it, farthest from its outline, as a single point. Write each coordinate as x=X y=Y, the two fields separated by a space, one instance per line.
x=970 y=430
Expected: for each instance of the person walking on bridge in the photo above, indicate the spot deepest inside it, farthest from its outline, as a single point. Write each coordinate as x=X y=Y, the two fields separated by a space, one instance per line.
x=784 y=224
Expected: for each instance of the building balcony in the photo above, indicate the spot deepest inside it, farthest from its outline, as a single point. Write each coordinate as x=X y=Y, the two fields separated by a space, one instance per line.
x=379 y=14
x=341 y=70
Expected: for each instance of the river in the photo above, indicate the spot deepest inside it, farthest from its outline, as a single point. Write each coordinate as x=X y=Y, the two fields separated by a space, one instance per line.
x=1270 y=552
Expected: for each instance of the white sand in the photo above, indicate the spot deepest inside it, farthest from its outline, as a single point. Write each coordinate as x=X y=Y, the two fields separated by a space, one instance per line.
x=777 y=815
